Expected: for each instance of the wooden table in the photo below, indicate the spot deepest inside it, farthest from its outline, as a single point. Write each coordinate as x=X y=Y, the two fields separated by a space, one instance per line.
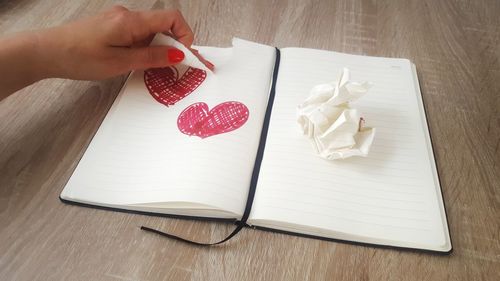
x=45 y=128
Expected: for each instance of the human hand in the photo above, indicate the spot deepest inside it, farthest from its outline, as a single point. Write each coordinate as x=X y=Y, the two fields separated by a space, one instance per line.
x=112 y=43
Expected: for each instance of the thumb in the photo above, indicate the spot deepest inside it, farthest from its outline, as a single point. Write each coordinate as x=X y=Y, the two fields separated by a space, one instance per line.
x=154 y=56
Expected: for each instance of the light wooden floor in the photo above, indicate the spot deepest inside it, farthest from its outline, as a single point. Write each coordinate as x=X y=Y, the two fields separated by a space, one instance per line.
x=45 y=128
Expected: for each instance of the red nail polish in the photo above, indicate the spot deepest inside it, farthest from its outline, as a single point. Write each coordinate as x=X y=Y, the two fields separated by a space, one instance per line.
x=175 y=55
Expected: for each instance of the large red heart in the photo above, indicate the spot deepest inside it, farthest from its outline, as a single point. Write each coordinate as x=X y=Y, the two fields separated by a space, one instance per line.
x=197 y=120
x=167 y=88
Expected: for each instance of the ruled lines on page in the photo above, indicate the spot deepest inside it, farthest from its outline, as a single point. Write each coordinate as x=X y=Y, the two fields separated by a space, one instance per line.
x=139 y=156
x=389 y=195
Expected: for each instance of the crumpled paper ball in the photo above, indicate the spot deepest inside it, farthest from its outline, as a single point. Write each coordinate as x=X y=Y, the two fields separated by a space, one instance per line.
x=335 y=129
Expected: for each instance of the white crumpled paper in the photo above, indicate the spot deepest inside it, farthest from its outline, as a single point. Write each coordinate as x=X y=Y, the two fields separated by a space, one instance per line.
x=336 y=130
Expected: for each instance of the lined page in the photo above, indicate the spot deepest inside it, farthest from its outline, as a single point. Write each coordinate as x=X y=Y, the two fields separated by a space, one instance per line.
x=139 y=156
x=390 y=197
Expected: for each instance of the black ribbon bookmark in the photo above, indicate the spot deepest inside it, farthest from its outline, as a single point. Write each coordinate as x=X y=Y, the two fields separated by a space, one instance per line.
x=255 y=174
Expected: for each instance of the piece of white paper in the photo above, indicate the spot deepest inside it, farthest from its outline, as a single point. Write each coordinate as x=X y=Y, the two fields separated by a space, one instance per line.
x=189 y=58
x=336 y=130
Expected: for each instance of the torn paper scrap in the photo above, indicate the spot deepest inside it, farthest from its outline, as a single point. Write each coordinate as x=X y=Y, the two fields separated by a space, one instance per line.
x=189 y=58
x=335 y=129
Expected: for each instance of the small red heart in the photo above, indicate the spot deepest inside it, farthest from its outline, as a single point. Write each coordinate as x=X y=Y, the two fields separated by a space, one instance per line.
x=197 y=120
x=167 y=88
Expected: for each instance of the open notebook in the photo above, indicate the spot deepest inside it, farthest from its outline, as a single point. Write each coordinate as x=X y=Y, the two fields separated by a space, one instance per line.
x=141 y=159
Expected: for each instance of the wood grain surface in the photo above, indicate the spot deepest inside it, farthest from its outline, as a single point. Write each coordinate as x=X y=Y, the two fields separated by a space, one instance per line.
x=45 y=128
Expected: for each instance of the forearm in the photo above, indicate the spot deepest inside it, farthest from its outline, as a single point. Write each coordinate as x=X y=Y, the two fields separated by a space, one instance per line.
x=20 y=64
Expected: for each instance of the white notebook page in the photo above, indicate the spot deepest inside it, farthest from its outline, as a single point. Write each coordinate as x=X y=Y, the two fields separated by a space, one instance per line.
x=139 y=156
x=390 y=197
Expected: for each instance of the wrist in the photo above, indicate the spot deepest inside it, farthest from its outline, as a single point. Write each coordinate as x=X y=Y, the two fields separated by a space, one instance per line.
x=46 y=57
x=19 y=66
x=29 y=56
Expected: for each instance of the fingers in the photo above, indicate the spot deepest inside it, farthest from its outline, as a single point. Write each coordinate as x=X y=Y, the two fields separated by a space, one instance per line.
x=168 y=21
x=145 y=42
x=157 y=56
x=151 y=57
x=142 y=26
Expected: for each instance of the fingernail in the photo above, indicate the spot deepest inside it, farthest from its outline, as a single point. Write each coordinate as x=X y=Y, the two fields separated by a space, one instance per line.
x=175 y=55
x=210 y=65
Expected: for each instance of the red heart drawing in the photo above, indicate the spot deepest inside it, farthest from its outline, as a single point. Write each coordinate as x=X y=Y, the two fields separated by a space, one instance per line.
x=167 y=88
x=197 y=120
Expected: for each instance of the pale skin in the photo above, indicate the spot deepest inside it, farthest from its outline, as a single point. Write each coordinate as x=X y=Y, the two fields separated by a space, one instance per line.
x=109 y=44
